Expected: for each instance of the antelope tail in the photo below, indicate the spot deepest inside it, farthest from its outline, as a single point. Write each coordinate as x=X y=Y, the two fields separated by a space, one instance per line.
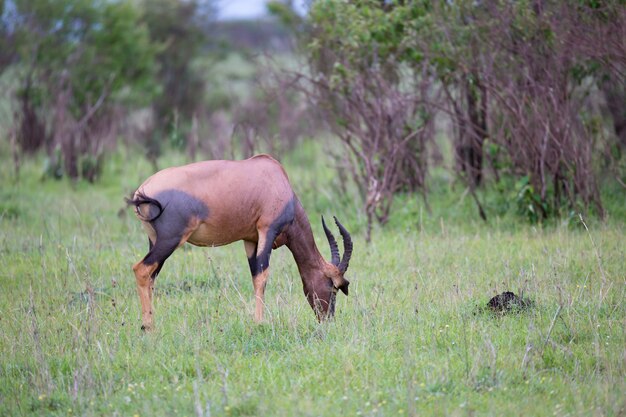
x=139 y=199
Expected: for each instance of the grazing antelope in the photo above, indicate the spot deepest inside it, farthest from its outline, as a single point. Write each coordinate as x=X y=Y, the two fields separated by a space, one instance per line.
x=215 y=203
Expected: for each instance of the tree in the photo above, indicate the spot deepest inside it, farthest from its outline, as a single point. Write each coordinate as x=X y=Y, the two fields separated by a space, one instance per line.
x=78 y=61
x=179 y=29
x=7 y=36
x=382 y=111
x=516 y=77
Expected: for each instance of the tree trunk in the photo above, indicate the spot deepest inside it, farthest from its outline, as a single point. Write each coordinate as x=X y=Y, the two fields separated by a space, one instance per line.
x=32 y=131
x=477 y=130
x=615 y=95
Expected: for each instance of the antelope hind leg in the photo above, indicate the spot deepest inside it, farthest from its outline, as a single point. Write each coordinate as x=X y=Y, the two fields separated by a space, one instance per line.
x=143 y=276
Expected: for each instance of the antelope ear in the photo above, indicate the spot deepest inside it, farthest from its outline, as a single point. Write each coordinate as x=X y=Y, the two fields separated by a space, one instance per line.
x=344 y=286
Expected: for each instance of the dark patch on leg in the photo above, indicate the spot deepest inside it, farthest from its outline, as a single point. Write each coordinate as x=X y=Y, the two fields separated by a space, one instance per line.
x=159 y=253
x=161 y=250
x=285 y=218
x=252 y=262
x=251 y=248
x=263 y=259
x=156 y=271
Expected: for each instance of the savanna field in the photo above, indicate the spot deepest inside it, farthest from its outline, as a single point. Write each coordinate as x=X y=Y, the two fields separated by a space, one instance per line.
x=413 y=337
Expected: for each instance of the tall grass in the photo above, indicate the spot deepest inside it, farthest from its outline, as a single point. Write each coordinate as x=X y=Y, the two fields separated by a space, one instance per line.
x=413 y=338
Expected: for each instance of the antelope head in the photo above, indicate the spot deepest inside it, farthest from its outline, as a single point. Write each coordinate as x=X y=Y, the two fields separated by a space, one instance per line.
x=325 y=291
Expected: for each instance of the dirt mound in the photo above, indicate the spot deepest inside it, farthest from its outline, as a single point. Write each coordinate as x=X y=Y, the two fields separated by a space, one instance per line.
x=507 y=302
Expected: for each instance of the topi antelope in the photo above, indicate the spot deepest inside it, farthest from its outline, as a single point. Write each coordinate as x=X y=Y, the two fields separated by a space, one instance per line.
x=215 y=203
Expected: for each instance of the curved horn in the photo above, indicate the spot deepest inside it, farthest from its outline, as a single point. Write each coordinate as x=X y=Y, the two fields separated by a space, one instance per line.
x=334 y=249
x=347 y=247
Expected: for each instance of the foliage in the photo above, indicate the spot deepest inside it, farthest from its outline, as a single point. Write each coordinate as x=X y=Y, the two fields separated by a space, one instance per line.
x=90 y=47
x=274 y=117
x=177 y=27
x=497 y=93
x=526 y=75
x=7 y=44
x=78 y=61
x=383 y=116
x=516 y=75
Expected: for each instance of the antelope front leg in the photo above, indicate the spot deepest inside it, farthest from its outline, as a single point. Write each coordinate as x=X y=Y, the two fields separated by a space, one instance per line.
x=261 y=272
x=259 y=282
x=259 y=279
x=145 y=285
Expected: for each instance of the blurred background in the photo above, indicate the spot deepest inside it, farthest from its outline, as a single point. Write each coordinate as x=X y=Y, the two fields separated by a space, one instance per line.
x=516 y=106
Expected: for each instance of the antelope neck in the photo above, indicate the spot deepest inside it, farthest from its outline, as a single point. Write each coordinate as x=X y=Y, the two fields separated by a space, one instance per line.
x=302 y=244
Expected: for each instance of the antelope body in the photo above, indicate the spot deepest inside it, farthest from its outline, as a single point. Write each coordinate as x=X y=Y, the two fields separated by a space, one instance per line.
x=215 y=203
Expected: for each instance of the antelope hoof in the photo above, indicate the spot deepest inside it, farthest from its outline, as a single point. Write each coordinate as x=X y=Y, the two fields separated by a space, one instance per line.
x=147 y=327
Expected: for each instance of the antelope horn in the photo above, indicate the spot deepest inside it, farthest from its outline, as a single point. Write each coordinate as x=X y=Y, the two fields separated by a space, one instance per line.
x=347 y=247
x=334 y=249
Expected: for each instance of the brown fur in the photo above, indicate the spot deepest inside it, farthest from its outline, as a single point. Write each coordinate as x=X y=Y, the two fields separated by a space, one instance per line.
x=235 y=192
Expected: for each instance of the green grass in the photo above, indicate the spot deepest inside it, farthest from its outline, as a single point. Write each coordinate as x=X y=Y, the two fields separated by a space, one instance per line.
x=411 y=339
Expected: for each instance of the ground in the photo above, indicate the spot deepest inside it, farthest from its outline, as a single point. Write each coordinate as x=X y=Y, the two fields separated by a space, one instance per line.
x=413 y=338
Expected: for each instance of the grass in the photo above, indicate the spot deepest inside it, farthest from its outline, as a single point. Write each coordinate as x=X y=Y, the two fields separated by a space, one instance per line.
x=412 y=338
